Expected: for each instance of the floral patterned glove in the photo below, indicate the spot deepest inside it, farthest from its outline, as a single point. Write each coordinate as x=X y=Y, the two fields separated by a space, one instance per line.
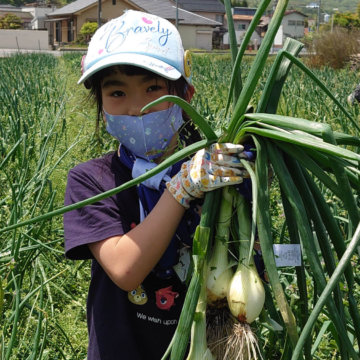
x=209 y=169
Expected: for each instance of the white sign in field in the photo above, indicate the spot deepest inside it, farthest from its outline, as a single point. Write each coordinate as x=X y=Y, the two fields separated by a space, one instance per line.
x=278 y=41
x=287 y=254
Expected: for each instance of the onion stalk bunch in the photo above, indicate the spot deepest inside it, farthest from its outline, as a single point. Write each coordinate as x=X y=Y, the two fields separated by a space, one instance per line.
x=234 y=300
x=246 y=293
x=218 y=277
x=199 y=349
x=219 y=268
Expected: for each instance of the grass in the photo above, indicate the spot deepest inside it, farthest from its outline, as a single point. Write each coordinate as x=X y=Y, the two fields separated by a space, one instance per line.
x=43 y=115
x=36 y=120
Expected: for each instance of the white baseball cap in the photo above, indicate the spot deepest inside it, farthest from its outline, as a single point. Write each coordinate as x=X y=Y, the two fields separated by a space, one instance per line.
x=139 y=39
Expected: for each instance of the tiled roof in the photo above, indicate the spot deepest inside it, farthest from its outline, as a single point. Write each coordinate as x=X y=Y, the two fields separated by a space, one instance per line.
x=163 y=8
x=202 y=5
x=243 y=17
x=288 y=12
x=167 y=10
x=73 y=7
x=8 y=6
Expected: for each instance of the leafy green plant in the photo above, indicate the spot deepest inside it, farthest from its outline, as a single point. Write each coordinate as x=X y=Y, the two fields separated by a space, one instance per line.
x=88 y=29
x=10 y=21
x=347 y=20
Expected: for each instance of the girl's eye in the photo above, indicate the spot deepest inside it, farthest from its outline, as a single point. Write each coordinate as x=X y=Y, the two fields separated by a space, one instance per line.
x=154 y=88
x=117 y=93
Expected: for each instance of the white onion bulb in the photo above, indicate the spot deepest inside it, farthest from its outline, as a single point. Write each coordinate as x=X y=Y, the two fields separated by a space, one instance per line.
x=246 y=294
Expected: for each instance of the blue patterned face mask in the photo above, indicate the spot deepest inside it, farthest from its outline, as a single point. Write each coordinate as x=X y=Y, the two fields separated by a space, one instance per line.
x=145 y=136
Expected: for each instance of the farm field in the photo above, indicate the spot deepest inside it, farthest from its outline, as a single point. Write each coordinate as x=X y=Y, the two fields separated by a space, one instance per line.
x=47 y=126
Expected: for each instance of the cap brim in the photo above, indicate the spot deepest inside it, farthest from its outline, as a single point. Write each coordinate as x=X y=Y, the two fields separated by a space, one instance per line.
x=152 y=64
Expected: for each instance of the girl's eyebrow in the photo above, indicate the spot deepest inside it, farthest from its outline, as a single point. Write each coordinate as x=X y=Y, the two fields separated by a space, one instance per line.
x=151 y=77
x=112 y=82
x=116 y=82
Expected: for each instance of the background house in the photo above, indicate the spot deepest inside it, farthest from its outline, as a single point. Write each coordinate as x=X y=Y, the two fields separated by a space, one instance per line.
x=32 y=34
x=24 y=16
x=292 y=25
x=39 y=15
x=33 y=17
x=195 y=30
x=202 y=23
x=211 y=9
x=242 y=17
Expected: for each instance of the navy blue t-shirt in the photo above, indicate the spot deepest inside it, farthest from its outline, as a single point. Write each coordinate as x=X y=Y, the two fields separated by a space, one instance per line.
x=122 y=325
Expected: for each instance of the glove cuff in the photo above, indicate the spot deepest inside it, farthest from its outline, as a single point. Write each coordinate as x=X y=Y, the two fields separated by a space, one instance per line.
x=178 y=192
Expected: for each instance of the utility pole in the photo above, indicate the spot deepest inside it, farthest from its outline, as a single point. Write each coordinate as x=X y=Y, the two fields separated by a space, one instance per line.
x=99 y=13
x=332 y=19
x=177 y=14
x=319 y=13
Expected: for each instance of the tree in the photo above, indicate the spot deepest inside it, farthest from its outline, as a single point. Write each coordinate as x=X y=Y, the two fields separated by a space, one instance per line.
x=347 y=20
x=10 y=21
x=88 y=29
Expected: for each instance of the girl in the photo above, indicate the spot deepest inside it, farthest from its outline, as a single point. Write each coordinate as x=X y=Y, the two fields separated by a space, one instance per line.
x=138 y=240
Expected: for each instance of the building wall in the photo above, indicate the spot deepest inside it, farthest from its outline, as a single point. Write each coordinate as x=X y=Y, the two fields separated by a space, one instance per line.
x=203 y=38
x=108 y=11
x=64 y=31
x=196 y=37
x=213 y=16
x=293 y=25
x=208 y=15
x=24 y=39
x=255 y=39
x=241 y=25
x=188 y=36
x=199 y=37
x=38 y=16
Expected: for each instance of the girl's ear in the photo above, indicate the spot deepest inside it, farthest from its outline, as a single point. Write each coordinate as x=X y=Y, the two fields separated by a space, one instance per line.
x=189 y=92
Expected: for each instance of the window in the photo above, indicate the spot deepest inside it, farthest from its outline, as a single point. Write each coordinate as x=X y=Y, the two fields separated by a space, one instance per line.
x=219 y=18
x=242 y=27
x=291 y=22
x=300 y=23
x=58 y=31
x=70 y=32
x=27 y=25
x=244 y=11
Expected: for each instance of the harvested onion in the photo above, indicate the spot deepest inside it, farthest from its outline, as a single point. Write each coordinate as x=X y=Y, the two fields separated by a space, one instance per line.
x=246 y=295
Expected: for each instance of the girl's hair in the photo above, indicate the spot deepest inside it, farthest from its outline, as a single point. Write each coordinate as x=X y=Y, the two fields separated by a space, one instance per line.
x=188 y=131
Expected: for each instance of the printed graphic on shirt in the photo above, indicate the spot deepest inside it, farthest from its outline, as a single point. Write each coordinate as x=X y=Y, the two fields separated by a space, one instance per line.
x=165 y=298
x=156 y=320
x=183 y=266
x=138 y=296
